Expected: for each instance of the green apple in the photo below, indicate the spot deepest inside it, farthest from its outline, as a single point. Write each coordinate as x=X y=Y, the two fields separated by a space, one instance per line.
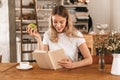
x=32 y=25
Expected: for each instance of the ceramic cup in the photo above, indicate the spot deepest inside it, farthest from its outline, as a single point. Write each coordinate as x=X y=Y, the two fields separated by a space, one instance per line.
x=24 y=64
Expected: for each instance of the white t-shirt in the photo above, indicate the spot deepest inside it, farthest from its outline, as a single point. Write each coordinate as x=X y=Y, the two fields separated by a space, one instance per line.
x=70 y=45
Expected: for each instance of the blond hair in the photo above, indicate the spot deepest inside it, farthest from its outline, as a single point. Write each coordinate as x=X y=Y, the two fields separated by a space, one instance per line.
x=69 y=29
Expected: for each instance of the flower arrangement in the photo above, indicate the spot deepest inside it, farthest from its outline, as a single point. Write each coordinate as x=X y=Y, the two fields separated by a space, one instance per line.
x=100 y=41
x=113 y=43
x=109 y=43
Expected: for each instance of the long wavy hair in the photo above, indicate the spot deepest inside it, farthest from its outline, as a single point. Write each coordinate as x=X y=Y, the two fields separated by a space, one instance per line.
x=69 y=29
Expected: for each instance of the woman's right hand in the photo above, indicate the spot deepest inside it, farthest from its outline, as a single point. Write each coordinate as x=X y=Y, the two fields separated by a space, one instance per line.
x=32 y=32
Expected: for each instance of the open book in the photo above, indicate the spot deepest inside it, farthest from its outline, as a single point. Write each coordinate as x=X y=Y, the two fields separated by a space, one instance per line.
x=49 y=60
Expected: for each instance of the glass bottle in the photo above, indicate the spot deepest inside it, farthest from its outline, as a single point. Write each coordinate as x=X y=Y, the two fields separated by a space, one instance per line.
x=101 y=62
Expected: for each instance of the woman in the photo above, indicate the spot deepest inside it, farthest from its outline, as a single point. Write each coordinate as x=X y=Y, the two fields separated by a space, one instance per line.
x=62 y=34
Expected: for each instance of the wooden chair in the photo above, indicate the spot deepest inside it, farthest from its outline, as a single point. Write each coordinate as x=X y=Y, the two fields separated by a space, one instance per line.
x=90 y=42
x=0 y=58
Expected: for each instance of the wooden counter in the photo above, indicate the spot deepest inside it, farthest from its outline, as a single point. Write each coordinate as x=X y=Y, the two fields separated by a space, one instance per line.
x=83 y=73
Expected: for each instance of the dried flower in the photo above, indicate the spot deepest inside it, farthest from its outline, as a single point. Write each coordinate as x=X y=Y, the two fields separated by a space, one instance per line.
x=100 y=43
x=113 y=43
x=110 y=42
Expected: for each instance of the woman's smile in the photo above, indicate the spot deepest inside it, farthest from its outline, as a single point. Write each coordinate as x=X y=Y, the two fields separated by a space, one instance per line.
x=59 y=23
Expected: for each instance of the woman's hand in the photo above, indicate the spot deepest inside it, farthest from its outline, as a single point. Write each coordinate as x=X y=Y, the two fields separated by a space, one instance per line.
x=32 y=32
x=66 y=63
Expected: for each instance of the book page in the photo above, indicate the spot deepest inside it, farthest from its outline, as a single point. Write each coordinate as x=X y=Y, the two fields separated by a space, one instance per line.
x=56 y=56
x=42 y=59
x=49 y=60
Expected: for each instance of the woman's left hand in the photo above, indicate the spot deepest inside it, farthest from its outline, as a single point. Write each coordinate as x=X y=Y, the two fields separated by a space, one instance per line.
x=66 y=63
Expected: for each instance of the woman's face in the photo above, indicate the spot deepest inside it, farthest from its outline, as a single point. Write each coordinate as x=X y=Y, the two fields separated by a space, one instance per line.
x=59 y=23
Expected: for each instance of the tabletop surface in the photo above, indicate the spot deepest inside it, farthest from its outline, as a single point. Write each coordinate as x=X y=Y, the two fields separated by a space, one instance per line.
x=8 y=71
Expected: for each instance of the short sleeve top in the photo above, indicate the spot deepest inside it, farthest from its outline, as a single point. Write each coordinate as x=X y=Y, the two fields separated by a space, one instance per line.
x=69 y=44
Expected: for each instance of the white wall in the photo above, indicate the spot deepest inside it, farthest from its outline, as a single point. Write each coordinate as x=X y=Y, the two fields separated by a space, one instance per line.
x=115 y=15
x=4 y=31
x=99 y=11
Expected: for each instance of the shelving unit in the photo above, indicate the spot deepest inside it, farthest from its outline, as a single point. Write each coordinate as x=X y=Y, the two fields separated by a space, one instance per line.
x=38 y=12
x=44 y=8
x=79 y=14
x=25 y=14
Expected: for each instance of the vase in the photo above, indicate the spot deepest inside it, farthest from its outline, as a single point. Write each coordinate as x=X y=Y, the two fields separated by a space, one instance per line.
x=115 y=69
x=101 y=62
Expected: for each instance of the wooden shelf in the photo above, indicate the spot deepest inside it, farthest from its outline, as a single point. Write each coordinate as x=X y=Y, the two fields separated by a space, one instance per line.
x=27 y=51
x=25 y=14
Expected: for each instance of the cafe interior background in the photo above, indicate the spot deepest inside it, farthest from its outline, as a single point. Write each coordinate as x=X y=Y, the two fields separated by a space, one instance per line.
x=101 y=12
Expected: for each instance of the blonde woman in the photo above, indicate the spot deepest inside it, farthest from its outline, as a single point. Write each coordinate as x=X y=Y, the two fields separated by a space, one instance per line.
x=62 y=34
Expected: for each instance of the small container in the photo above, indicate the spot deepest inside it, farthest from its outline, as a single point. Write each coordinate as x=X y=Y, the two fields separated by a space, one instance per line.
x=101 y=62
x=24 y=64
x=27 y=56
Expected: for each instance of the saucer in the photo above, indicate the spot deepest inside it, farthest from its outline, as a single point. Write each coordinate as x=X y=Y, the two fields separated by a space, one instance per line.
x=26 y=68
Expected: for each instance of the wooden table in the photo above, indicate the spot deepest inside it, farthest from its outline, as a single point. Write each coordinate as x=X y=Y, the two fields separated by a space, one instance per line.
x=9 y=72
